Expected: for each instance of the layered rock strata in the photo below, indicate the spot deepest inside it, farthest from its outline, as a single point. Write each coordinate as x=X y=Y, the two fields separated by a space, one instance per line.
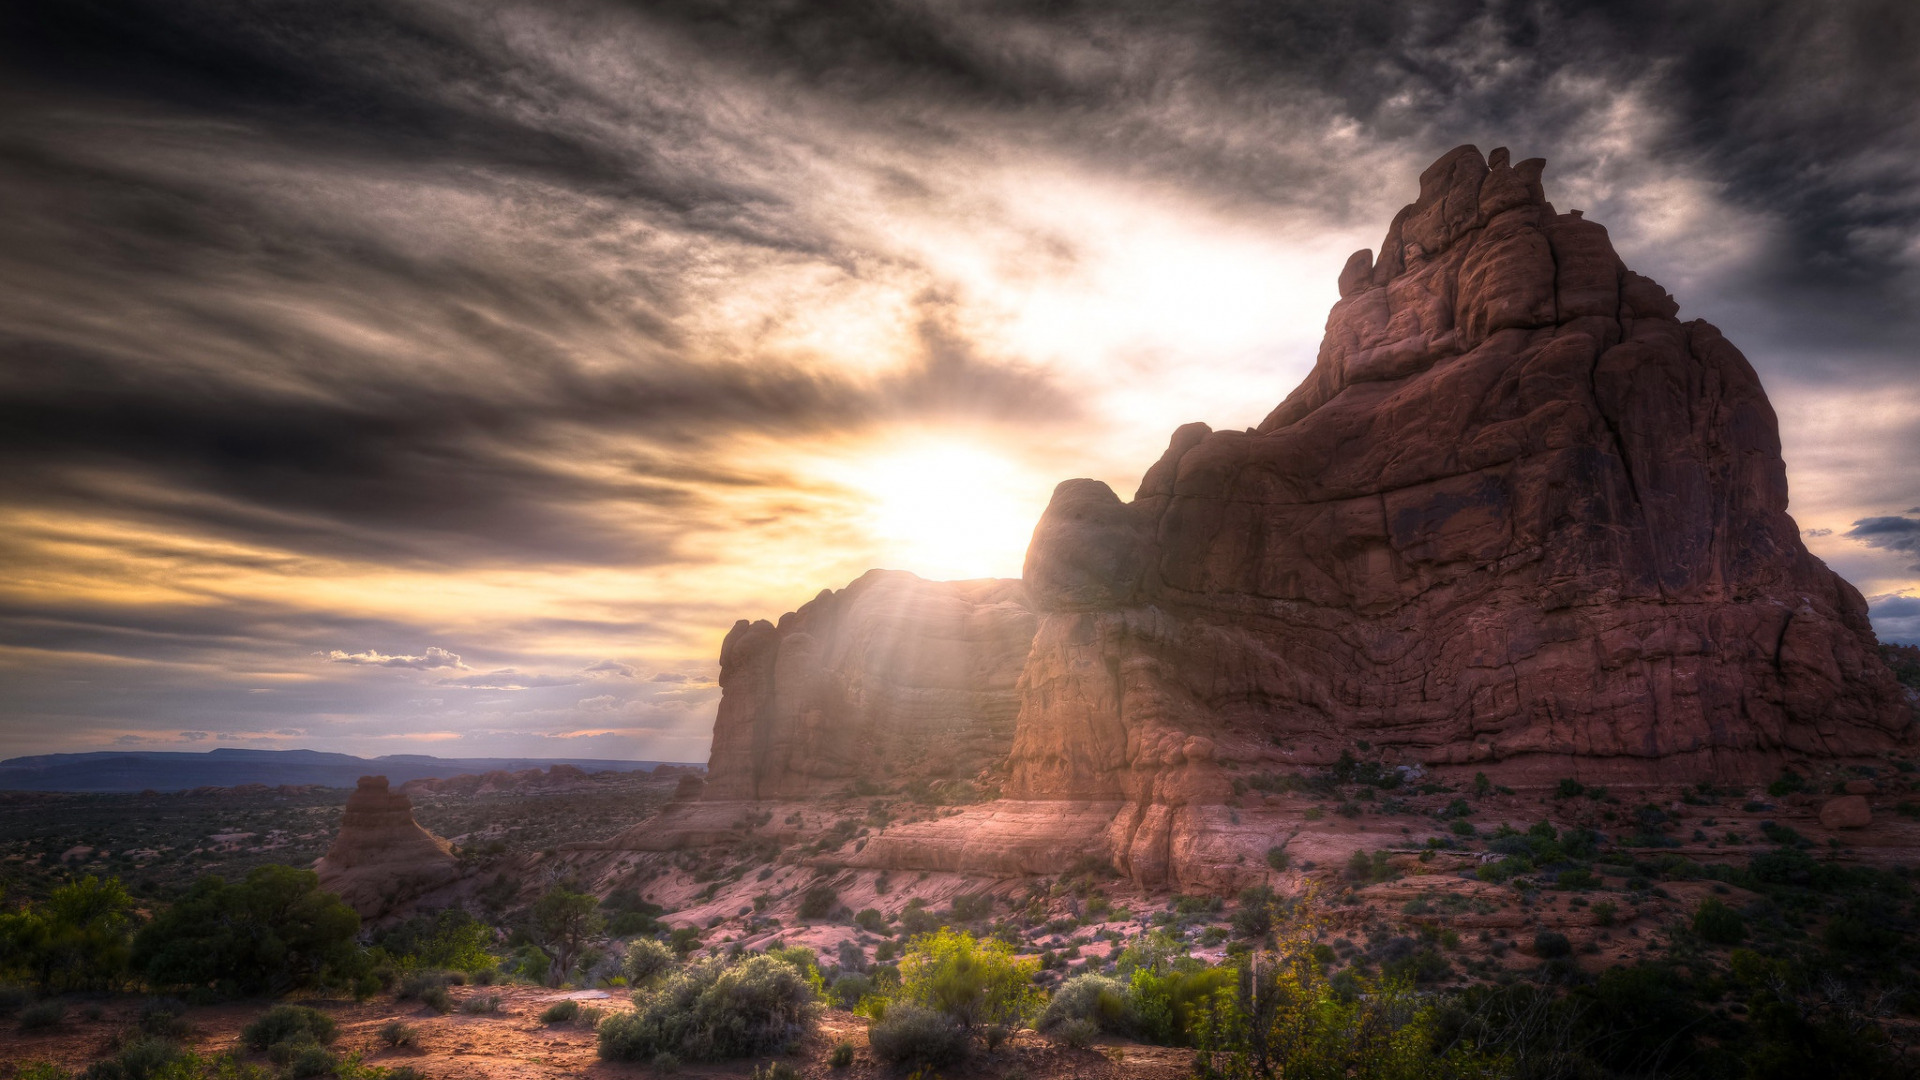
x=1519 y=518
x=382 y=858
x=891 y=677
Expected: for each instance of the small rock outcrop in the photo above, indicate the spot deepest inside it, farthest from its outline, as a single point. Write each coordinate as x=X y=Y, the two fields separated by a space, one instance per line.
x=382 y=858
x=891 y=677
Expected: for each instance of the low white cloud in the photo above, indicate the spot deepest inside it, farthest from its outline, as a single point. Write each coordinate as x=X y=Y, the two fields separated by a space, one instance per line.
x=434 y=657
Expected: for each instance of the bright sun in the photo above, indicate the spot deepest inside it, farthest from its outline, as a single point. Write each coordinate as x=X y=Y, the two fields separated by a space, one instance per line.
x=949 y=509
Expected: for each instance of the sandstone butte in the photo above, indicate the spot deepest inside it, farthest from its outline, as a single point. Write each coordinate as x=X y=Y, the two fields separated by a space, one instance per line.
x=1519 y=519
x=381 y=859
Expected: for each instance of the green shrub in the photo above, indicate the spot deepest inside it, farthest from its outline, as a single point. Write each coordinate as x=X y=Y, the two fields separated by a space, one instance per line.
x=437 y=999
x=311 y=1060
x=1569 y=788
x=818 y=902
x=560 y=1012
x=1551 y=945
x=1788 y=783
x=40 y=1070
x=1717 y=923
x=842 y=1055
x=776 y=1070
x=1078 y=1034
x=74 y=940
x=396 y=1034
x=43 y=1016
x=444 y=939
x=1106 y=1002
x=1254 y=917
x=480 y=1004
x=273 y=932
x=288 y=1024
x=1278 y=858
x=146 y=1059
x=715 y=1010
x=850 y=988
x=870 y=920
x=1169 y=1005
x=164 y=1018
x=974 y=981
x=910 y=1035
x=683 y=940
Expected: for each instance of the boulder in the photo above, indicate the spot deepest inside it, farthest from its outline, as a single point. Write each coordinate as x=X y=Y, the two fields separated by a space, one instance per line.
x=1846 y=812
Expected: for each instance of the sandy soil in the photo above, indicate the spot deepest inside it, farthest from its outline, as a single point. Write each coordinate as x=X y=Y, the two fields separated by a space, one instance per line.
x=511 y=1044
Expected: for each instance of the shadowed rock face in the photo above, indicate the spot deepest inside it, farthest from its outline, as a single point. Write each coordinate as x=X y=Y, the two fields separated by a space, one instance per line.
x=1519 y=518
x=381 y=857
x=890 y=677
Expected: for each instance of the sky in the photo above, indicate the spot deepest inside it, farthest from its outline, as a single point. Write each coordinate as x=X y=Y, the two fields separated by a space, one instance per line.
x=432 y=377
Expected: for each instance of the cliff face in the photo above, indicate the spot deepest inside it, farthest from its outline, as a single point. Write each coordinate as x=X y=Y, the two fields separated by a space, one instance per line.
x=1519 y=517
x=1518 y=513
x=889 y=678
x=381 y=857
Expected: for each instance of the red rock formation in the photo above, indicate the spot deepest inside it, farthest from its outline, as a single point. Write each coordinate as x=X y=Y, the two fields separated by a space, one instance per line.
x=1519 y=518
x=892 y=676
x=381 y=857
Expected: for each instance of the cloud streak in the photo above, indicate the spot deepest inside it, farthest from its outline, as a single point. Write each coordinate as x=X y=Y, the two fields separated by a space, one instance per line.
x=434 y=657
x=554 y=334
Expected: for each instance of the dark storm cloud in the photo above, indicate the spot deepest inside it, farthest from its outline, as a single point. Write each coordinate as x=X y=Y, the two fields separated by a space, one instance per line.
x=1891 y=533
x=1797 y=109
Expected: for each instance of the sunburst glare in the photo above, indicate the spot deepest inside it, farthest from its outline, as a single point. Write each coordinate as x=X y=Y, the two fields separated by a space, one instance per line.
x=948 y=507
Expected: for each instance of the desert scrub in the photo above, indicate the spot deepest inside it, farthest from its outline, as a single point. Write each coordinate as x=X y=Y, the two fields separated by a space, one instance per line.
x=646 y=960
x=288 y=1024
x=910 y=1035
x=396 y=1034
x=1718 y=924
x=1106 y=1003
x=818 y=902
x=42 y=1016
x=481 y=1003
x=972 y=980
x=714 y=1010
x=842 y=1055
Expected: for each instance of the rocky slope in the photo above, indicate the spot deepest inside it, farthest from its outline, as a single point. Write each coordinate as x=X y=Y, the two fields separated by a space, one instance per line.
x=1519 y=519
x=888 y=678
x=381 y=857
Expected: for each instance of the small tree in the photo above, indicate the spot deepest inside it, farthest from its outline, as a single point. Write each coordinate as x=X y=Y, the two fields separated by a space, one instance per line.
x=563 y=922
x=977 y=982
x=274 y=932
x=76 y=940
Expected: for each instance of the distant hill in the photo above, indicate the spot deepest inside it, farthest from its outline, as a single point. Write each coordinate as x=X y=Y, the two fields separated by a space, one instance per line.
x=114 y=770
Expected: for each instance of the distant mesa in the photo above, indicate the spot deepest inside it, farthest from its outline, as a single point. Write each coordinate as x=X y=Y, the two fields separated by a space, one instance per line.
x=382 y=858
x=236 y=770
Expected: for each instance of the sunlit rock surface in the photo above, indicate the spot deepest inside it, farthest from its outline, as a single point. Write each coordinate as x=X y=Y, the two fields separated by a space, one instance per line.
x=889 y=678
